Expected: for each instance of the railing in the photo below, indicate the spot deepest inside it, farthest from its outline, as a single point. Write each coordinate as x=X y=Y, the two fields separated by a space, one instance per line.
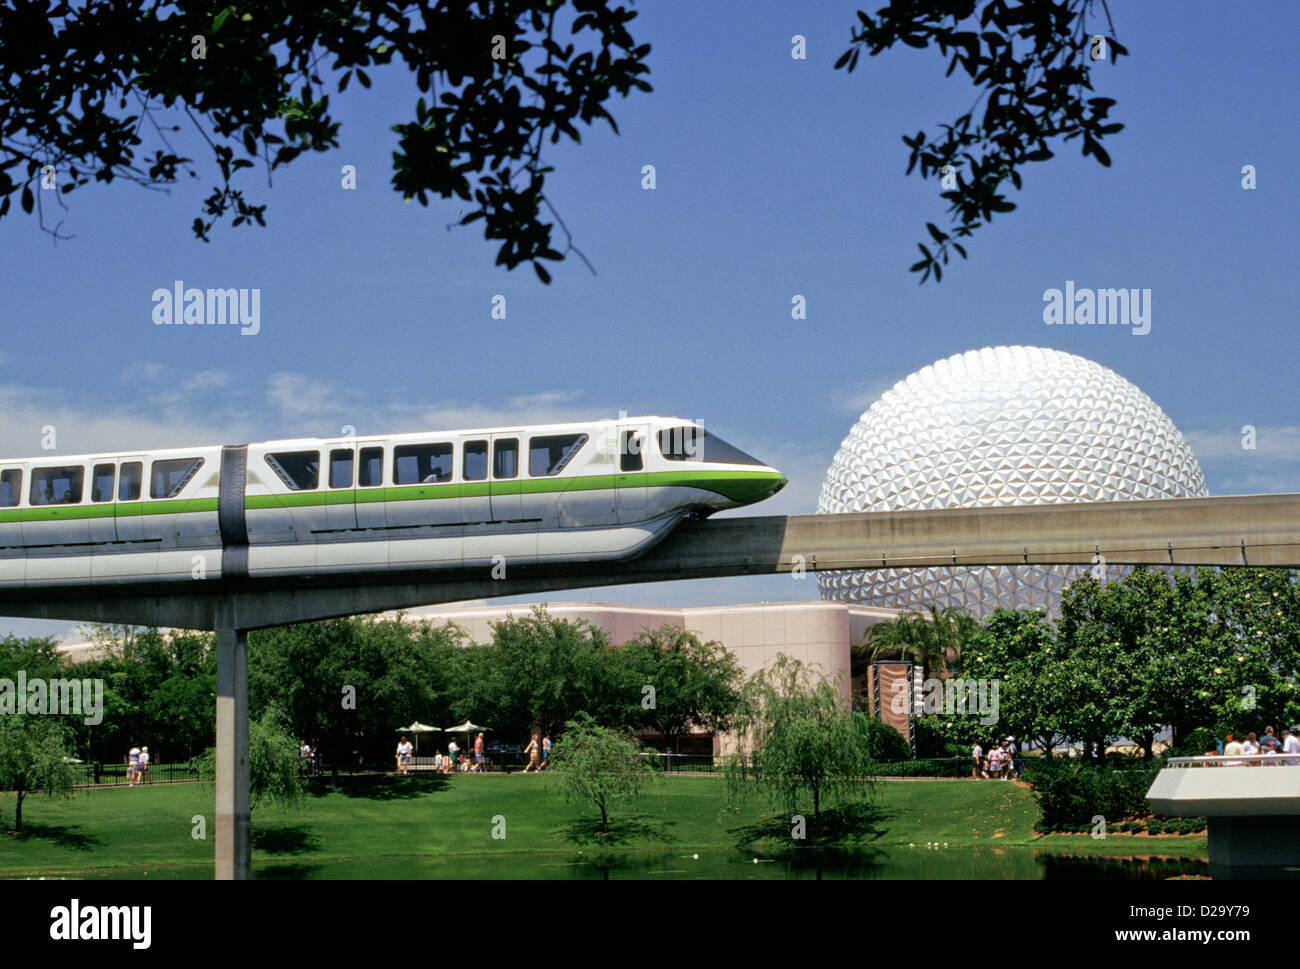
x=684 y=763
x=1235 y=760
x=946 y=767
x=114 y=775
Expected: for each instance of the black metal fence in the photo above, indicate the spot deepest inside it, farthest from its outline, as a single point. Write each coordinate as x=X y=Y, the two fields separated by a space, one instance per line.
x=947 y=767
x=114 y=775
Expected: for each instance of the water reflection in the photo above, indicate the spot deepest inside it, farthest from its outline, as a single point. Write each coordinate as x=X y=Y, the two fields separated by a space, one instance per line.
x=918 y=863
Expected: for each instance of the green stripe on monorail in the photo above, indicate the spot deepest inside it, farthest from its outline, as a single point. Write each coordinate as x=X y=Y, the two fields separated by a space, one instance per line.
x=107 y=509
x=742 y=486
x=736 y=485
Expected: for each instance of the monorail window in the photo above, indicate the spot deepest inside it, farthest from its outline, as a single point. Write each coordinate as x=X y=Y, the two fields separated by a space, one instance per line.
x=101 y=482
x=11 y=488
x=372 y=467
x=299 y=470
x=629 y=451
x=475 y=460
x=129 y=481
x=167 y=478
x=57 y=486
x=549 y=455
x=422 y=463
x=341 y=463
x=697 y=444
x=505 y=458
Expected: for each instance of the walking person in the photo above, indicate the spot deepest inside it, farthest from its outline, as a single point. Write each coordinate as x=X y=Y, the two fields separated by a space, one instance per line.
x=143 y=772
x=403 y=756
x=546 y=751
x=479 y=762
x=977 y=756
x=533 y=750
x=132 y=766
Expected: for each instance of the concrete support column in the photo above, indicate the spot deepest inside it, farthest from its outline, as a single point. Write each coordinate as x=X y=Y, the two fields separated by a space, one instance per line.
x=234 y=850
x=1267 y=846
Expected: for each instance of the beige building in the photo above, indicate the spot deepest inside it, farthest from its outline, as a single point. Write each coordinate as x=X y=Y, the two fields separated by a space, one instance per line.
x=820 y=633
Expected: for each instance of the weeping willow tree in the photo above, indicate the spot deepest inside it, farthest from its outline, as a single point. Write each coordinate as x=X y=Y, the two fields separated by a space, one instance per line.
x=798 y=739
x=273 y=760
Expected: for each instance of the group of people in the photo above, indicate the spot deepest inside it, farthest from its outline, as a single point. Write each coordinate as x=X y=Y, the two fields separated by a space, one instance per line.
x=539 y=753
x=137 y=766
x=454 y=761
x=309 y=758
x=1266 y=745
x=1002 y=761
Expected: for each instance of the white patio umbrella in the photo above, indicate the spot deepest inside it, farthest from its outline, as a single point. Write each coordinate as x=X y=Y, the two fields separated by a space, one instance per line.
x=467 y=728
x=417 y=728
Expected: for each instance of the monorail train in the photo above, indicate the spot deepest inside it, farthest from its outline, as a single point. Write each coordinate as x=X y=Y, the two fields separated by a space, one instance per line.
x=556 y=493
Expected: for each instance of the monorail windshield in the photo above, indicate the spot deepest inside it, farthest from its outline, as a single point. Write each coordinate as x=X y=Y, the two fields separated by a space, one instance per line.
x=697 y=444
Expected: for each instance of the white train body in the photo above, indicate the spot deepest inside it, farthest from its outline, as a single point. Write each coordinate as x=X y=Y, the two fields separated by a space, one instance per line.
x=502 y=496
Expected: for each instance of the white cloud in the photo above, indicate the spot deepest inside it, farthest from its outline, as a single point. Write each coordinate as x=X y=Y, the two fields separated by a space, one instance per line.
x=1271 y=467
x=142 y=370
x=211 y=406
x=1275 y=442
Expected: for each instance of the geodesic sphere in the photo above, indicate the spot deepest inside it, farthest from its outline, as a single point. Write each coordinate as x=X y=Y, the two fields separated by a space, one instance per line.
x=1000 y=426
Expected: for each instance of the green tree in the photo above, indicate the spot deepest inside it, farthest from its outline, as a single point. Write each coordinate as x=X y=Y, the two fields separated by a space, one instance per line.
x=182 y=715
x=33 y=756
x=936 y=640
x=1017 y=650
x=1254 y=620
x=795 y=733
x=389 y=671
x=1032 y=60
x=273 y=760
x=595 y=765
x=696 y=684
x=541 y=672
x=99 y=91
x=159 y=689
x=37 y=657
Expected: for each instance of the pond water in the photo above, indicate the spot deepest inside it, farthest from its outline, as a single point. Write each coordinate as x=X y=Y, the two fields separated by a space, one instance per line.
x=809 y=863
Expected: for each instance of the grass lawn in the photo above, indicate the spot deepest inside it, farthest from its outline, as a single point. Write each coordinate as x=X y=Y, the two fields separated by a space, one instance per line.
x=454 y=818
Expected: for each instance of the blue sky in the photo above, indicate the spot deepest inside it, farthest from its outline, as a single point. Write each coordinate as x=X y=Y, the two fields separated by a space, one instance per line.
x=774 y=177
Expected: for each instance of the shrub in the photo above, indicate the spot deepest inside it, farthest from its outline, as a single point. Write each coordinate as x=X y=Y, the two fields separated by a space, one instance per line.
x=932 y=741
x=1073 y=793
x=884 y=743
